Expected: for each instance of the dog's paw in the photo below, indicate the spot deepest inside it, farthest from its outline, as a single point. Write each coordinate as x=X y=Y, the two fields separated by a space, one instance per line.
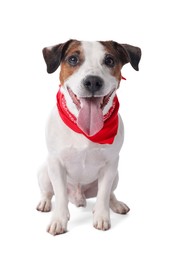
x=57 y=227
x=44 y=205
x=101 y=221
x=119 y=207
x=58 y=224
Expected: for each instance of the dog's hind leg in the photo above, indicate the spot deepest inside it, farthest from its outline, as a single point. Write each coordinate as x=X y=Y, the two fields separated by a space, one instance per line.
x=46 y=190
x=118 y=206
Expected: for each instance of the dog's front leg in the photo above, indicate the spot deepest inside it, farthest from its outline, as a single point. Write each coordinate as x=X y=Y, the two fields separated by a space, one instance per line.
x=101 y=211
x=57 y=175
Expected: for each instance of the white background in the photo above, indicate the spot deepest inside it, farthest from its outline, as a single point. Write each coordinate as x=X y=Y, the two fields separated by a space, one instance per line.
x=148 y=107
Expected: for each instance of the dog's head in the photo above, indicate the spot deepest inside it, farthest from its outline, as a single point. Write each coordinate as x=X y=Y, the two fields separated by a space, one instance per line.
x=90 y=73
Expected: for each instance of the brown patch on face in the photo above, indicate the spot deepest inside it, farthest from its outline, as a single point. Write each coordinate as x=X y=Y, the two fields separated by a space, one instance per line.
x=117 y=56
x=67 y=69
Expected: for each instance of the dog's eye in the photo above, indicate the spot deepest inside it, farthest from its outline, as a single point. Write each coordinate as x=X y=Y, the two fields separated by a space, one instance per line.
x=73 y=60
x=109 y=61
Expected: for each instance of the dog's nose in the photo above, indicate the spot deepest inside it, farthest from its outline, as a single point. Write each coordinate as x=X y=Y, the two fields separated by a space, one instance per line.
x=93 y=83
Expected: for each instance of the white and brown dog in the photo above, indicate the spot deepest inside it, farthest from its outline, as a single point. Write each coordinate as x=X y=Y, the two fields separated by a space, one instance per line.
x=84 y=133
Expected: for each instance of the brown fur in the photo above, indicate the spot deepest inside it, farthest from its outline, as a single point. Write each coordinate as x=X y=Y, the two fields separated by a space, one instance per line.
x=115 y=71
x=66 y=69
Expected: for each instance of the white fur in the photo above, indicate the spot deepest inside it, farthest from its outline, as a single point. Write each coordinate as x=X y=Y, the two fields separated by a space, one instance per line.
x=77 y=168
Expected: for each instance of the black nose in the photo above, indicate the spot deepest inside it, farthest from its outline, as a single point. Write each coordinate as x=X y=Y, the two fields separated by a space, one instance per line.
x=93 y=83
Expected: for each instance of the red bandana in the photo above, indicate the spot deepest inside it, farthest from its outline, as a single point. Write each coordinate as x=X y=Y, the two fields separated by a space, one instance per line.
x=106 y=135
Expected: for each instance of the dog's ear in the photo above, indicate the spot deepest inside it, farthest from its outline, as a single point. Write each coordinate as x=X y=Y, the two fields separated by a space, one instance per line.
x=54 y=54
x=133 y=55
x=129 y=53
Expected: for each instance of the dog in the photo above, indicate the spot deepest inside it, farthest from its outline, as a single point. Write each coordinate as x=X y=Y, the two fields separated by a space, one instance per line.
x=85 y=132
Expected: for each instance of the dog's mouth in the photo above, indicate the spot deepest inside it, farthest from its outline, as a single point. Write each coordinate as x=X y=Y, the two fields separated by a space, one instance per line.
x=90 y=118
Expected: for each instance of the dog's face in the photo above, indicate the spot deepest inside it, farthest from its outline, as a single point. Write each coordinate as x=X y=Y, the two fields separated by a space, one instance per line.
x=90 y=69
x=90 y=72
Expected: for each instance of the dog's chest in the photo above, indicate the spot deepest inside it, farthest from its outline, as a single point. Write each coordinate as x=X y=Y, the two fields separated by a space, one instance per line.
x=83 y=165
x=82 y=159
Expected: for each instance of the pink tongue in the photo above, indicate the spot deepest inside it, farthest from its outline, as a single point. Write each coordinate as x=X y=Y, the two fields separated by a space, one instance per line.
x=90 y=117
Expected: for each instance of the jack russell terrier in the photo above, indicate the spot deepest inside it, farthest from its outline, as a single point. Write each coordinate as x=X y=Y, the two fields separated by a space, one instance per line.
x=84 y=133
